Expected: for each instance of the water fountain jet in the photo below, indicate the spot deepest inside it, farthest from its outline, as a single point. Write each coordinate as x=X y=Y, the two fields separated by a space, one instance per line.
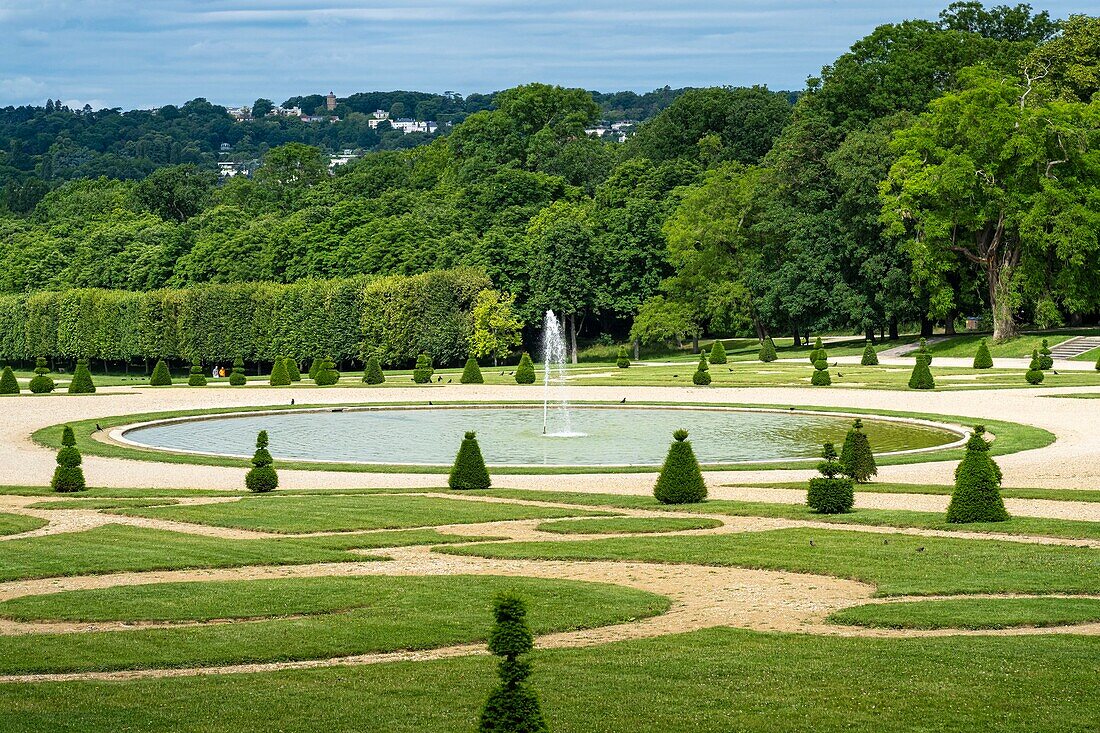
x=554 y=381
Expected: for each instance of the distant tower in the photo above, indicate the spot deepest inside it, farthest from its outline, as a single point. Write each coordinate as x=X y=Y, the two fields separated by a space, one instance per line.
x=330 y=102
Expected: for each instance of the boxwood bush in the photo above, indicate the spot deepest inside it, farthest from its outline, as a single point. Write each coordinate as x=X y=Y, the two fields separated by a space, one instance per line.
x=856 y=458
x=326 y=374
x=471 y=373
x=237 y=377
x=423 y=372
x=161 y=377
x=372 y=372
x=921 y=378
x=8 y=383
x=1034 y=374
x=977 y=495
x=525 y=372
x=870 y=356
x=680 y=480
x=292 y=370
x=982 y=359
x=717 y=352
x=197 y=377
x=468 y=471
x=702 y=372
x=81 y=382
x=68 y=476
x=830 y=493
x=41 y=382
x=622 y=360
x=767 y=351
x=261 y=478
x=279 y=376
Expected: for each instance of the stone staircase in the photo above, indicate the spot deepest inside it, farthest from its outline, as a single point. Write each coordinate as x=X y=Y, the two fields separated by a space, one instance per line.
x=1074 y=347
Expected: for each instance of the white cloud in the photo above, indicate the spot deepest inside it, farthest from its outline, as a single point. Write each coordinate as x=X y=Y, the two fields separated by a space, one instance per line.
x=21 y=88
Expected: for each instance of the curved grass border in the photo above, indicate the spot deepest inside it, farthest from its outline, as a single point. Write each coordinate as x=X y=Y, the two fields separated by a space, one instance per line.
x=1010 y=438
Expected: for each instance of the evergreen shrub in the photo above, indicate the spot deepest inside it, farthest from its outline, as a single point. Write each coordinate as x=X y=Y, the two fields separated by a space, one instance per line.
x=977 y=495
x=161 y=377
x=923 y=349
x=856 y=457
x=41 y=382
x=471 y=373
x=468 y=471
x=525 y=372
x=870 y=356
x=921 y=378
x=622 y=360
x=423 y=372
x=982 y=359
x=817 y=349
x=372 y=372
x=1034 y=374
x=702 y=372
x=68 y=476
x=262 y=477
x=513 y=706
x=767 y=351
x=1046 y=361
x=292 y=370
x=680 y=480
x=237 y=377
x=830 y=493
x=197 y=377
x=8 y=383
x=82 y=379
x=717 y=352
x=326 y=373
x=279 y=376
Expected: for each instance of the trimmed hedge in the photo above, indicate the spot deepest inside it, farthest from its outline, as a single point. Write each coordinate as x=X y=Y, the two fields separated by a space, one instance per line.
x=292 y=369
x=814 y=358
x=767 y=351
x=680 y=480
x=1034 y=374
x=279 y=376
x=830 y=494
x=870 y=356
x=237 y=377
x=261 y=478
x=977 y=495
x=922 y=348
x=423 y=372
x=41 y=382
x=856 y=458
x=314 y=367
x=821 y=377
x=525 y=372
x=468 y=471
x=702 y=372
x=921 y=378
x=1046 y=361
x=372 y=373
x=717 y=353
x=81 y=382
x=512 y=706
x=197 y=377
x=982 y=359
x=622 y=360
x=68 y=476
x=326 y=374
x=8 y=383
x=471 y=373
x=161 y=377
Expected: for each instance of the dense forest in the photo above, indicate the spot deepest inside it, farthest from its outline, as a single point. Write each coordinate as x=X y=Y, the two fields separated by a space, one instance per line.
x=937 y=169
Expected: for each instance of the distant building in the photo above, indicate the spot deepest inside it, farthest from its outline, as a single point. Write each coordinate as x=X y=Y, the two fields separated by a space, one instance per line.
x=285 y=112
x=330 y=102
x=225 y=148
x=346 y=156
x=239 y=113
x=319 y=118
x=230 y=168
x=407 y=125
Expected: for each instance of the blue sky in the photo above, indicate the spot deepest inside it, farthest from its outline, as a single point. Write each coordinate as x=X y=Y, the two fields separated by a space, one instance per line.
x=128 y=53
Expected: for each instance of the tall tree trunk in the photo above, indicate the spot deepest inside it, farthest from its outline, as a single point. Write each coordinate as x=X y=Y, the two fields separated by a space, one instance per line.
x=695 y=343
x=893 y=329
x=949 y=323
x=637 y=349
x=869 y=333
x=999 y=277
x=925 y=326
x=795 y=335
x=572 y=338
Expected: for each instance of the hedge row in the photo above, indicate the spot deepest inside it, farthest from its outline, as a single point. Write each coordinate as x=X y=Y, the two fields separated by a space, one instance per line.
x=395 y=317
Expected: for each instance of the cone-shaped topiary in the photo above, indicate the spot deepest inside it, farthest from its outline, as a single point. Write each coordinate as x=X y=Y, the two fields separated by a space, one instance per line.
x=68 y=476
x=977 y=495
x=830 y=494
x=261 y=478
x=923 y=349
x=326 y=374
x=468 y=471
x=423 y=372
x=513 y=707
x=292 y=369
x=1034 y=374
x=8 y=383
x=81 y=382
x=1046 y=361
x=314 y=367
x=817 y=349
x=870 y=356
x=471 y=373
x=525 y=372
x=821 y=376
x=237 y=377
x=197 y=377
x=279 y=377
x=372 y=372
x=41 y=382
x=856 y=457
x=717 y=352
x=982 y=359
x=702 y=372
x=921 y=378
x=680 y=481
x=622 y=360
x=767 y=351
x=161 y=377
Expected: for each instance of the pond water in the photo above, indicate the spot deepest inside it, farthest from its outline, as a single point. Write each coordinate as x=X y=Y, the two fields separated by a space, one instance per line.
x=512 y=435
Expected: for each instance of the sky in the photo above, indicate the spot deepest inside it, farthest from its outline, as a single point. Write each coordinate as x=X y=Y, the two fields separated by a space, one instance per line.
x=133 y=54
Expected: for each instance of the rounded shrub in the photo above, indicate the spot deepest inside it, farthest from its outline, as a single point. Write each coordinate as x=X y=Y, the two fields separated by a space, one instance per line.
x=161 y=377
x=314 y=367
x=372 y=372
x=1046 y=361
x=856 y=458
x=717 y=352
x=81 y=382
x=279 y=376
x=1034 y=374
x=767 y=351
x=977 y=495
x=830 y=493
x=261 y=478
x=197 y=377
x=468 y=471
x=41 y=382
x=622 y=360
x=525 y=372
x=982 y=359
x=292 y=370
x=471 y=373
x=870 y=356
x=423 y=372
x=8 y=383
x=237 y=377
x=512 y=707
x=326 y=373
x=68 y=476
x=702 y=372
x=817 y=349
x=921 y=378
x=680 y=480
x=821 y=377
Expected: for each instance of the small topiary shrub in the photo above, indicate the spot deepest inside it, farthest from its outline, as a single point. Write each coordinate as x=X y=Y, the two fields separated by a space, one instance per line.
x=821 y=377
x=326 y=373
x=292 y=369
x=977 y=495
x=41 y=382
x=197 y=377
x=81 y=382
x=68 y=476
x=8 y=383
x=870 y=356
x=161 y=377
x=921 y=378
x=468 y=471
x=372 y=372
x=923 y=349
x=717 y=353
x=1034 y=374
x=830 y=494
x=817 y=349
x=513 y=707
x=314 y=367
x=982 y=359
x=237 y=377
x=471 y=373
x=856 y=457
x=279 y=376
x=702 y=372
x=423 y=372
x=622 y=360
x=767 y=351
x=1046 y=361
x=261 y=478
x=680 y=480
x=525 y=372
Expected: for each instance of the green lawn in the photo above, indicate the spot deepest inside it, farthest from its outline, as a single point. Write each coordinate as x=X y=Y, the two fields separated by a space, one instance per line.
x=972 y=613
x=1019 y=347
x=713 y=681
x=885 y=487
x=16 y=523
x=101 y=503
x=626 y=525
x=891 y=562
x=300 y=514
x=336 y=617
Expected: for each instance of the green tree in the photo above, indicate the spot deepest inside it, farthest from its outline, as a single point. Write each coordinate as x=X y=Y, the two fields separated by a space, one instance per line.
x=662 y=320
x=496 y=329
x=560 y=237
x=176 y=193
x=1065 y=67
x=261 y=478
x=977 y=495
x=512 y=707
x=856 y=457
x=81 y=382
x=525 y=372
x=468 y=471
x=261 y=107
x=680 y=480
x=68 y=476
x=161 y=377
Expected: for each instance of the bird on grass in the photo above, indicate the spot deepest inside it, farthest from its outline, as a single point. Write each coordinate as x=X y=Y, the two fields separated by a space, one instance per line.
x=886 y=542
x=449 y=381
x=622 y=401
x=292 y=401
x=839 y=374
x=675 y=375
x=502 y=374
x=920 y=549
x=97 y=427
x=812 y=544
x=1054 y=370
x=440 y=379
x=429 y=403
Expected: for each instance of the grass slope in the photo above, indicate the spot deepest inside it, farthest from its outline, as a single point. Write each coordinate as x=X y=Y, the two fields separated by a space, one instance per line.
x=972 y=613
